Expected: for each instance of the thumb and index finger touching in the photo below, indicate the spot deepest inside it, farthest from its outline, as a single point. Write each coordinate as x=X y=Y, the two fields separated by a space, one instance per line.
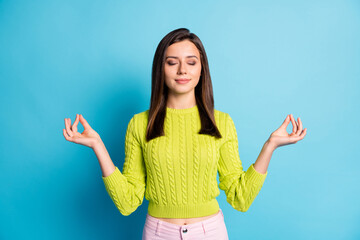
x=297 y=126
x=79 y=117
x=70 y=130
x=73 y=127
x=286 y=122
x=84 y=122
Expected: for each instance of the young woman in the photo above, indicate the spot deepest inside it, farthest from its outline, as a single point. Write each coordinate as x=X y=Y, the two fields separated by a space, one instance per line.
x=174 y=150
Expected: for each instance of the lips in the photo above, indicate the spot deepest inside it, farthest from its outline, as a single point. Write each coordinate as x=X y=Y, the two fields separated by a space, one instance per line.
x=182 y=80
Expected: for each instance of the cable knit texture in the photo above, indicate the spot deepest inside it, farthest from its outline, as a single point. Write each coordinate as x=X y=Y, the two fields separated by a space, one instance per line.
x=177 y=172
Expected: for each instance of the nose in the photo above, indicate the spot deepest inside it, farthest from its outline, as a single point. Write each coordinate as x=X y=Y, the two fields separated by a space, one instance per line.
x=182 y=69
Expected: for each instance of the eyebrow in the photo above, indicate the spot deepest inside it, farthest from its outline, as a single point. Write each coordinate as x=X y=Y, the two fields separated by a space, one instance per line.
x=178 y=58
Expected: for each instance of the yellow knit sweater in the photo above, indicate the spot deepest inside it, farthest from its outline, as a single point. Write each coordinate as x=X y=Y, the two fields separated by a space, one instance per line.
x=177 y=172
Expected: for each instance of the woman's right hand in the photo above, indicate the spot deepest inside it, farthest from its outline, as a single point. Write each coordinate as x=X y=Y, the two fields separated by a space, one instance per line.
x=87 y=138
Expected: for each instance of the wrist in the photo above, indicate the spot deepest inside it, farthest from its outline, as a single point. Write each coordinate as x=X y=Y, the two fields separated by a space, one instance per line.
x=270 y=145
x=97 y=144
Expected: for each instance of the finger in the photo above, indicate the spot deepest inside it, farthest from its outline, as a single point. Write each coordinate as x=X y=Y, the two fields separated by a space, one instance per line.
x=303 y=133
x=74 y=126
x=84 y=122
x=70 y=139
x=300 y=137
x=286 y=122
x=299 y=131
x=66 y=135
x=293 y=123
x=71 y=134
x=67 y=126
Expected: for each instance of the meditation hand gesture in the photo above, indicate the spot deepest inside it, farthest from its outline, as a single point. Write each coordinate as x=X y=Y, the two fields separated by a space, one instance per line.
x=280 y=137
x=87 y=138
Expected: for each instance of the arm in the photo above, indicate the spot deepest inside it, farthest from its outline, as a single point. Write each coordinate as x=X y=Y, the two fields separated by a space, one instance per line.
x=106 y=164
x=126 y=189
x=279 y=138
x=241 y=187
x=262 y=162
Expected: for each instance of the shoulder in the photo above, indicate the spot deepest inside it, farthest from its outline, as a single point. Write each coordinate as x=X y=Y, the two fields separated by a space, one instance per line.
x=141 y=116
x=138 y=124
x=220 y=113
x=139 y=120
x=224 y=122
x=221 y=117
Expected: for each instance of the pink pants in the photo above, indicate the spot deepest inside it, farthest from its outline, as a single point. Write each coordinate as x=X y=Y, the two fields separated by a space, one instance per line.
x=211 y=228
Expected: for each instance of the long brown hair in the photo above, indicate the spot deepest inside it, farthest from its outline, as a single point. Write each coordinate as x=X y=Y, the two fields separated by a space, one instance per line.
x=159 y=91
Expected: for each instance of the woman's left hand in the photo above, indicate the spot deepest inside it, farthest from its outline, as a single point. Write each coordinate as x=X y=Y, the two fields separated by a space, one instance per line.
x=280 y=137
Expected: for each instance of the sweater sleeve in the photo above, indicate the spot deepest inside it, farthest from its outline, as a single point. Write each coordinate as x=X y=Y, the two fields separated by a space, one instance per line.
x=240 y=187
x=127 y=189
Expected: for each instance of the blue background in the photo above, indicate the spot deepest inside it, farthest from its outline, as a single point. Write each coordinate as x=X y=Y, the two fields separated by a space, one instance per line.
x=267 y=59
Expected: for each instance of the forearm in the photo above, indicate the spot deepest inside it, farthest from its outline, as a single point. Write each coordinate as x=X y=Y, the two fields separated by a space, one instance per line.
x=263 y=160
x=106 y=164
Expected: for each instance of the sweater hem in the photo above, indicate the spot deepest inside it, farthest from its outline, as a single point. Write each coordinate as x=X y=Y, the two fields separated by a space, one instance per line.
x=187 y=211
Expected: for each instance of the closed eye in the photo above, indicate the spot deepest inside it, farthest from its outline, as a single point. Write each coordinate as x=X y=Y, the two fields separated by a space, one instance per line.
x=174 y=63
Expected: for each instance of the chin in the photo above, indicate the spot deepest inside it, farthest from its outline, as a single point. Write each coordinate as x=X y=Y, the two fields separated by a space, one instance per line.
x=181 y=91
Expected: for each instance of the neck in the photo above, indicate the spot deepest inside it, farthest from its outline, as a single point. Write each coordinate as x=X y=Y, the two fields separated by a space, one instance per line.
x=181 y=101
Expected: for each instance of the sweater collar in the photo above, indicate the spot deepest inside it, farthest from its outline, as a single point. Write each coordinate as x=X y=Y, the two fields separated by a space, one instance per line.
x=181 y=111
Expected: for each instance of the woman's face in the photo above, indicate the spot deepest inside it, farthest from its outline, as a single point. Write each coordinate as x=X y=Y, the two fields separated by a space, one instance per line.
x=182 y=67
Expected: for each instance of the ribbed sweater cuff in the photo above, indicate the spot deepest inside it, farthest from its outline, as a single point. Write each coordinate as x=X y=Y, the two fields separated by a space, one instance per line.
x=254 y=176
x=113 y=177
